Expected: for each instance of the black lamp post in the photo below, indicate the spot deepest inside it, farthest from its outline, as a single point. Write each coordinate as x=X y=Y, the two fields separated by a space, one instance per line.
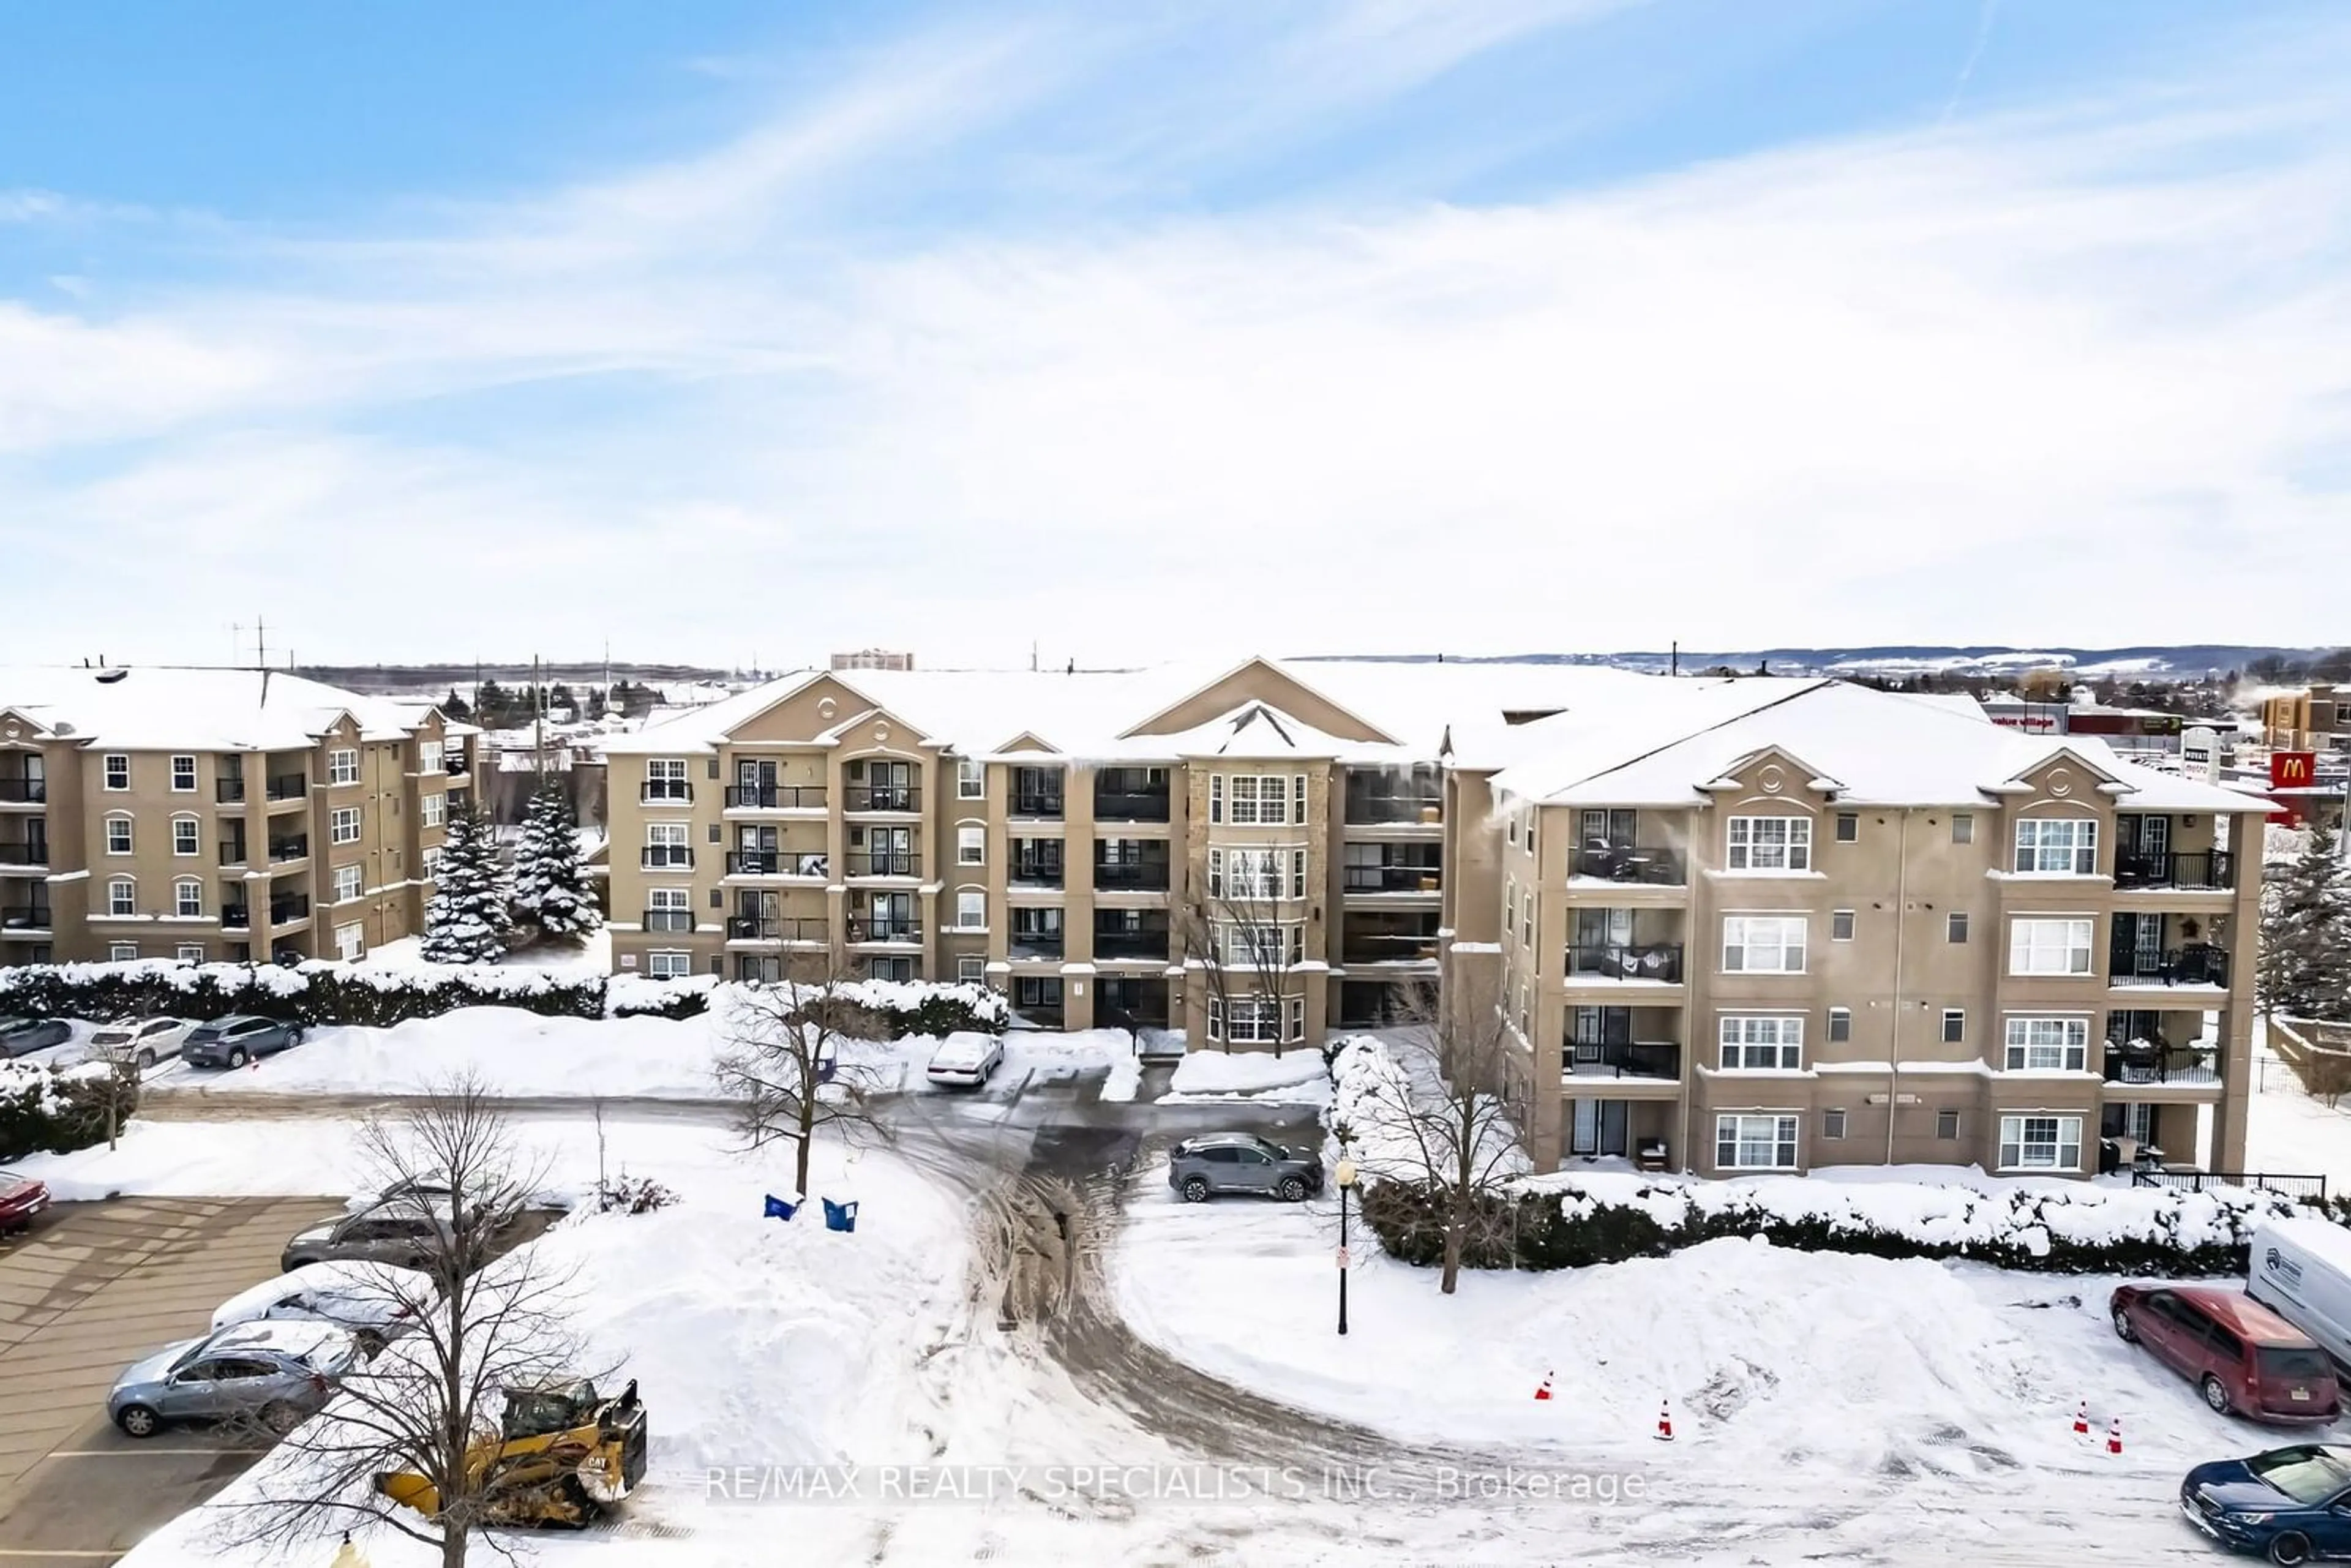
x=1346 y=1181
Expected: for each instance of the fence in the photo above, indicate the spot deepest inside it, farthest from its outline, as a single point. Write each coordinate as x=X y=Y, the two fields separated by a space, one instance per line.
x=2305 y=1188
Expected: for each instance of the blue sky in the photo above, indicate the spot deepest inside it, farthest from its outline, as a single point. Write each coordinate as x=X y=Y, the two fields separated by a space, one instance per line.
x=732 y=331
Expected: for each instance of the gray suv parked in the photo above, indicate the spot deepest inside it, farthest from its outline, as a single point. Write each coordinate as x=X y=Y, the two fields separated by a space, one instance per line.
x=1242 y=1162
x=234 y=1041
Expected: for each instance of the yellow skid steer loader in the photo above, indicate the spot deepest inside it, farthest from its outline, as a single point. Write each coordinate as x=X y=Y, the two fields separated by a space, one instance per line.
x=562 y=1456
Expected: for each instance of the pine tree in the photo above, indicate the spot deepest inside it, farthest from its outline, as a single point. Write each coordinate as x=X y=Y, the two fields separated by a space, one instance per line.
x=465 y=919
x=454 y=706
x=2304 y=968
x=551 y=890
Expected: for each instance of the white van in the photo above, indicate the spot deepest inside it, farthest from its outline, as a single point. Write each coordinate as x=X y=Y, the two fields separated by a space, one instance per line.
x=2301 y=1269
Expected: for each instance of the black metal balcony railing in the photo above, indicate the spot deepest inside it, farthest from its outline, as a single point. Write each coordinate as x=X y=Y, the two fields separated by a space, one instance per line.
x=229 y=791
x=1392 y=878
x=1397 y=947
x=1130 y=944
x=776 y=797
x=232 y=852
x=778 y=928
x=1376 y=811
x=289 y=847
x=1151 y=876
x=777 y=863
x=665 y=857
x=1130 y=806
x=884 y=863
x=453 y=764
x=1044 y=804
x=1620 y=1059
x=881 y=798
x=665 y=792
x=669 y=920
x=288 y=787
x=884 y=930
x=24 y=791
x=1038 y=945
x=24 y=917
x=2205 y=868
x=24 y=854
x=2197 y=964
x=288 y=906
x=1658 y=961
x=236 y=916
x=2157 y=1061
x=1035 y=873
x=1641 y=863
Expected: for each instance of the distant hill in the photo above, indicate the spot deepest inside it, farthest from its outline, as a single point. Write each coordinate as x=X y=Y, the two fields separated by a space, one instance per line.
x=2168 y=659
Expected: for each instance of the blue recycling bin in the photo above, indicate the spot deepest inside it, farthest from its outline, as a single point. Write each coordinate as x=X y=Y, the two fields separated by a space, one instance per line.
x=779 y=1209
x=839 y=1215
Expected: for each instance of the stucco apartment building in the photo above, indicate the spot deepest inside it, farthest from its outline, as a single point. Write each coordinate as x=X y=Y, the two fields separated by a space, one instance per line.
x=1869 y=971
x=206 y=815
x=2318 y=719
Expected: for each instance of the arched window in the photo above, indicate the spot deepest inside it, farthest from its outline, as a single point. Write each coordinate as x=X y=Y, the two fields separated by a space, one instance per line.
x=118 y=832
x=188 y=898
x=122 y=895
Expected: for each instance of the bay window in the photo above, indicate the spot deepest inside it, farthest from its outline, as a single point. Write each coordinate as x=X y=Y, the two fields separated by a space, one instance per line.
x=2048 y=1044
x=2057 y=846
x=2049 y=946
x=1757 y=1143
x=2041 y=1143
x=1754 y=1043
x=1770 y=844
x=1763 y=944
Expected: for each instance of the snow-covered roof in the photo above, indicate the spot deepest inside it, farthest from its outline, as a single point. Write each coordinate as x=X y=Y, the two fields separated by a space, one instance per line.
x=150 y=708
x=1857 y=743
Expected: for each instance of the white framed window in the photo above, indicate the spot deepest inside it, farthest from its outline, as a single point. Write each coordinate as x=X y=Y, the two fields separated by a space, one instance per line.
x=1947 y=1124
x=347 y=884
x=971 y=845
x=666 y=845
x=190 y=952
x=1763 y=944
x=1758 y=1143
x=665 y=779
x=1833 y=1127
x=429 y=863
x=188 y=898
x=2057 y=846
x=1254 y=1020
x=1752 y=1043
x=118 y=770
x=1293 y=1016
x=123 y=896
x=1527 y=915
x=184 y=836
x=971 y=779
x=431 y=809
x=1257 y=799
x=1236 y=873
x=428 y=757
x=343 y=825
x=1963 y=828
x=1770 y=844
x=669 y=909
x=1955 y=1026
x=2049 y=946
x=972 y=971
x=183 y=775
x=669 y=965
x=343 y=765
x=118 y=834
x=1955 y=928
x=971 y=909
x=121 y=952
x=1841 y=925
x=1848 y=827
x=1840 y=1024
x=2048 y=1044
x=1510 y=907
x=1262 y=945
x=350 y=942
x=2041 y=1143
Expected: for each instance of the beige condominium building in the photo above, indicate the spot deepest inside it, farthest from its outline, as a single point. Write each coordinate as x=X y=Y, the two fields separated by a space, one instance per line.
x=1782 y=926
x=1751 y=924
x=2318 y=719
x=208 y=815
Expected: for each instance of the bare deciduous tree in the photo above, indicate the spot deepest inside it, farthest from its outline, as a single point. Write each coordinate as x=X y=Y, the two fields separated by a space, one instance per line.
x=1447 y=1128
x=428 y=1406
x=1233 y=930
x=782 y=1065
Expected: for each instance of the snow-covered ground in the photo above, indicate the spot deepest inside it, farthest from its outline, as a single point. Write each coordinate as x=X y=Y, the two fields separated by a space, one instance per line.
x=2287 y=1131
x=1211 y=1077
x=594 y=957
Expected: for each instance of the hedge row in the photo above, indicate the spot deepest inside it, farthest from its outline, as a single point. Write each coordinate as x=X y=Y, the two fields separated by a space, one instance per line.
x=323 y=993
x=57 y=1110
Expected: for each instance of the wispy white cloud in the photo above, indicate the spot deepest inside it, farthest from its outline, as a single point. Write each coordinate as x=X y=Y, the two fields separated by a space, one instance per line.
x=2057 y=372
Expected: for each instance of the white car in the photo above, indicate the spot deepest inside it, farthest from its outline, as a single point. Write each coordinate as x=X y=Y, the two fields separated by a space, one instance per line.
x=146 y=1043
x=967 y=1059
x=374 y=1300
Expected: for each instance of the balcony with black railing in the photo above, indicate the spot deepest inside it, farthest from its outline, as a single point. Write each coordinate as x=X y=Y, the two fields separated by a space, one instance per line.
x=806 y=930
x=1034 y=868
x=665 y=857
x=229 y=791
x=1392 y=937
x=866 y=930
x=2197 y=964
x=884 y=863
x=1389 y=797
x=776 y=797
x=1582 y=1058
x=1040 y=805
x=285 y=908
x=885 y=797
x=2201 y=871
x=30 y=854
x=1131 y=876
x=24 y=917
x=232 y=851
x=777 y=863
x=1131 y=806
x=1150 y=942
x=1650 y=866
x=1037 y=942
x=236 y=916
x=282 y=788
x=2159 y=1063
x=284 y=847
x=669 y=920
x=1658 y=963
x=1394 y=877
x=22 y=790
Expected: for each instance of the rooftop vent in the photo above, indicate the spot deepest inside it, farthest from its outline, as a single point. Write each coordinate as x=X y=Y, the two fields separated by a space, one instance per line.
x=108 y=677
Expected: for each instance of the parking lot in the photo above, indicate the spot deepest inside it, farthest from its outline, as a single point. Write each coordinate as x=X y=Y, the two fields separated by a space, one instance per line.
x=93 y=1287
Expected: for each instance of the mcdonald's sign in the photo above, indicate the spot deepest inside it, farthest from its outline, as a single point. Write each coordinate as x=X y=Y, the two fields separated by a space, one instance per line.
x=2292 y=769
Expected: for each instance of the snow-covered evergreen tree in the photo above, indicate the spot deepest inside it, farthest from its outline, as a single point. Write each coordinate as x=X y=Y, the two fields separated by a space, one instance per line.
x=465 y=920
x=551 y=890
x=2305 y=966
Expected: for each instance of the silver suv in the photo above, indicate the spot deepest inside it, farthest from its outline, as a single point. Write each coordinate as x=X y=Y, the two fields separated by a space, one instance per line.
x=1242 y=1162
x=278 y=1371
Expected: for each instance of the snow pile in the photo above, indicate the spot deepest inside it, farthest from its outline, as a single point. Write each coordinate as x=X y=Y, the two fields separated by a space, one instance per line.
x=1215 y=1077
x=43 y=1107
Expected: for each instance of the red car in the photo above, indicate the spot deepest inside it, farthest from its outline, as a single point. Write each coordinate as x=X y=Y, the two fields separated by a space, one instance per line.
x=2242 y=1357
x=21 y=1197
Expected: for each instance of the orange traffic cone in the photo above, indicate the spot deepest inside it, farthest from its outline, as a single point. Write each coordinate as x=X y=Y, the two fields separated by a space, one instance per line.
x=1664 y=1422
x=1545 y=1391
x=2082 y=1421
x=2115 y=1436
